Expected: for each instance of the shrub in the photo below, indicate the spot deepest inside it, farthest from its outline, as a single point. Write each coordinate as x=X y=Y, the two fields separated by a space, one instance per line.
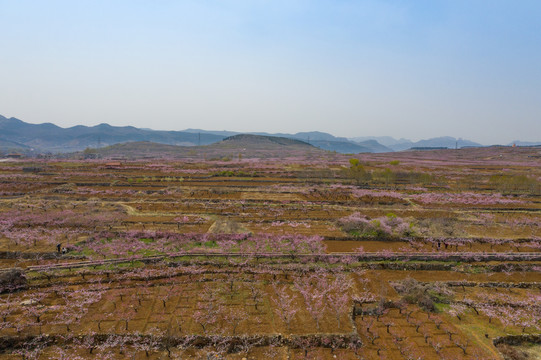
x=424 y=295
x=389 y=225
x=413 y=177
x=229 y=173
x=386 y=176
x=513 y=184
x=355 y=222
x=357 y=172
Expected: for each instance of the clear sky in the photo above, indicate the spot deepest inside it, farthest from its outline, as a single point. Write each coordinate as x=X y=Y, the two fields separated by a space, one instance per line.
x=414 y=69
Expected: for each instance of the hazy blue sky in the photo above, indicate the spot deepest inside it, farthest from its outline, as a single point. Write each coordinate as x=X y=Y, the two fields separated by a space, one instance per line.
x=412 y=69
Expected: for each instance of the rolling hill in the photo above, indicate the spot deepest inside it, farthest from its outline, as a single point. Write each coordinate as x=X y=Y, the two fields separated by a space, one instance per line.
x=234 y=147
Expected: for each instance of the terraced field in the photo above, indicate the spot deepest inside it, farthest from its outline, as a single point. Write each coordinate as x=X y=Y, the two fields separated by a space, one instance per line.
x=412 y=255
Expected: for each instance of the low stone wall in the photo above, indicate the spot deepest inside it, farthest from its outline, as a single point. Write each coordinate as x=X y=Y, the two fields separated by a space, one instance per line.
x=518 y=339
x=331 y=341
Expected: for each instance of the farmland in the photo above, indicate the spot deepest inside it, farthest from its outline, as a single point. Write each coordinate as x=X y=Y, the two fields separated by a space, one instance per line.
x=411 y=255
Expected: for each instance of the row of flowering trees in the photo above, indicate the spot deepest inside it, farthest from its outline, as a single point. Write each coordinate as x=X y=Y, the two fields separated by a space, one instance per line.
x=146 y=242
x=522 y=311
x=48 y=226
x=228 y=306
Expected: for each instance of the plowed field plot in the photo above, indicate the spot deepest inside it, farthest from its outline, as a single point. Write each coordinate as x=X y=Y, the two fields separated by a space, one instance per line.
x=413 y=255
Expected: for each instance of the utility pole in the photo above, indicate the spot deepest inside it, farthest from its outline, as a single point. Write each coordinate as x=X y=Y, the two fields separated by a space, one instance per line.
x=199 y=139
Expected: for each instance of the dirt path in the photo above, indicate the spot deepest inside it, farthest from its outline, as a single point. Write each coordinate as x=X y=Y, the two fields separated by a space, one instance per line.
x=482 y=342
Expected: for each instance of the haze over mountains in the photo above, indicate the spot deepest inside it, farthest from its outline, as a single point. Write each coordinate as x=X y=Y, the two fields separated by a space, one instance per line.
x=17 y=135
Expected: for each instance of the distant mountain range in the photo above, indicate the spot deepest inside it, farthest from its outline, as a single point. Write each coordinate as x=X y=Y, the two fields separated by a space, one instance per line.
x=19 y=136
x=405 y=144
x=525 y=143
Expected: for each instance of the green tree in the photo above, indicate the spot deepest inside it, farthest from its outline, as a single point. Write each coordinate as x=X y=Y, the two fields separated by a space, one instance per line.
x=358 y=173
